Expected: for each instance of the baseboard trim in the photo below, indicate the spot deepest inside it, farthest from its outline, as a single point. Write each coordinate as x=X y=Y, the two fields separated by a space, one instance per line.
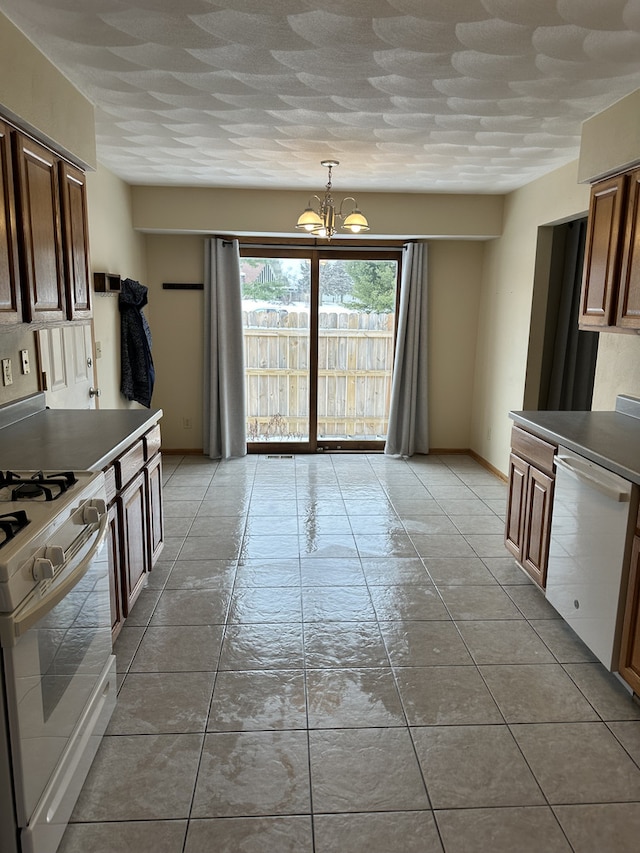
x=451 y=451
x=481 y=461
x=436 y=451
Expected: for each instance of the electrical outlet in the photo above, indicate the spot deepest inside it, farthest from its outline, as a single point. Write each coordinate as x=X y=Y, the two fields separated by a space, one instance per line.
x=187 y=423
x=7 y=375
x=24 y=361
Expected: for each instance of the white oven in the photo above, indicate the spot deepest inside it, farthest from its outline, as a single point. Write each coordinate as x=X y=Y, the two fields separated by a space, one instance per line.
x=57 y=685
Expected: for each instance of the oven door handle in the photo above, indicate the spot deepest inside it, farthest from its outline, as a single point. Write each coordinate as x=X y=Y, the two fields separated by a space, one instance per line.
x=31 y=613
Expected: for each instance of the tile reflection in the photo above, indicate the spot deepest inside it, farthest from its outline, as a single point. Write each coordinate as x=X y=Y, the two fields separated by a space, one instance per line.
x=335 y=653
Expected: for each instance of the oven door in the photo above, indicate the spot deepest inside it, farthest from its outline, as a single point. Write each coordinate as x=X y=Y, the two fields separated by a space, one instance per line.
x=59 y=679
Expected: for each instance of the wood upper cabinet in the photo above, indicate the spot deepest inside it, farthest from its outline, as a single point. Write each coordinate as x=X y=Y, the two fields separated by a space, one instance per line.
x=602 y=253
x=10 y=296
x=75 y=241
x=529 y=502
x=610 y=298
x=45 y=205
x=628 y=312
x=40 y=231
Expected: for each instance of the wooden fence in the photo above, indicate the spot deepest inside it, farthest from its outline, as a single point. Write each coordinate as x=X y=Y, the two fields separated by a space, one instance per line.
x=355 y=357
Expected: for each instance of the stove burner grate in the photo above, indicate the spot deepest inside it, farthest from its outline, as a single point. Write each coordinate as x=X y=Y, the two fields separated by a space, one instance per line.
x=48 y=487
x=10 y=524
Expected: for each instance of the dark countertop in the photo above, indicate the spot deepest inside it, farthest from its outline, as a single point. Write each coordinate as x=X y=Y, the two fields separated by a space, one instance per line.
x=72 y=439
x=610 y=439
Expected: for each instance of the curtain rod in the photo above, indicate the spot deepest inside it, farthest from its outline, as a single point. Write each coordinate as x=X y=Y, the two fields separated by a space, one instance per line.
x=333 y=247
x=312 y=243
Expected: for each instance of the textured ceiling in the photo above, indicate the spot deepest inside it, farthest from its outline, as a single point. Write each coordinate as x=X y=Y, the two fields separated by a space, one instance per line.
x=409 y=95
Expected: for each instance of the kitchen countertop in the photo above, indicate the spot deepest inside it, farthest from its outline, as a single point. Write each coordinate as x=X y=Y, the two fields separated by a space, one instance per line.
x=72 y=439
x=610 y=439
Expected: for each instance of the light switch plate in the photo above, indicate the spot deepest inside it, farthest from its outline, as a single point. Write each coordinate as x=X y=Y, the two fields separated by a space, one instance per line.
x=7 y=375
x=24 y=361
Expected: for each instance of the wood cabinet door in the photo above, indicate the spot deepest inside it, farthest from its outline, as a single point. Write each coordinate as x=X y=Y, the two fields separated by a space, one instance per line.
x=628 y=312
x=514 y=525
x=153 y=475
x=630 y=647
x=75 y=241
x=134 y=533
x=535 y=545
x=602 y=253
x=115 y=571
x=39 y=228
x=10 y=296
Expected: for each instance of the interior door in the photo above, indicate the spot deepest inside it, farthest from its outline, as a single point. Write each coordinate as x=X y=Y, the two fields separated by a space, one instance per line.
x=319 y=335
x=65 y=355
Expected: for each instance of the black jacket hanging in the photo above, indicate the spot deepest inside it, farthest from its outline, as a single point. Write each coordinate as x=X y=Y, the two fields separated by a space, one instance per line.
x=137 y=371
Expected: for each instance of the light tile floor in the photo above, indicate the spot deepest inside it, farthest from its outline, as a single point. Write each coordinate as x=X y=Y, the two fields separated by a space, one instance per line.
x=335 y=654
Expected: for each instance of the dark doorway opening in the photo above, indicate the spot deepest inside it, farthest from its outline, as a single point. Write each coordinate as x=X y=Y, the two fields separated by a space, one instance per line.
x=569 y=354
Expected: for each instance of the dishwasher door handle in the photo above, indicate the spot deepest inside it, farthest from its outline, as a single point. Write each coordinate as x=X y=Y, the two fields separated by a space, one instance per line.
x=604 y=484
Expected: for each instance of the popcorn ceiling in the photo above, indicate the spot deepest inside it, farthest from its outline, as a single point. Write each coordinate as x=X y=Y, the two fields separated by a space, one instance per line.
x=410 y=95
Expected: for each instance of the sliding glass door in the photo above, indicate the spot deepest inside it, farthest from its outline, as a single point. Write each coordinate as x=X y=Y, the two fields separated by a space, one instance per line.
x=276 y=311
x=319 y=334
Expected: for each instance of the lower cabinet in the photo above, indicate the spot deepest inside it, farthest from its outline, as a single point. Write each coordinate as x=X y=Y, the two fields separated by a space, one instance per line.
x=529 y=502
x=153 y=483
x=134 y=495
x=134 y=522
x=629 y=667
x=115 y=562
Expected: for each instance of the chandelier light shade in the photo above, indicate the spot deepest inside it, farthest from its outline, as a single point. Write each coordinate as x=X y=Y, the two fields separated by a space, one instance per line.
x=320 y=219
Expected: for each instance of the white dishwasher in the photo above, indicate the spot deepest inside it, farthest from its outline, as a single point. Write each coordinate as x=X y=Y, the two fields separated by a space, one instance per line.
x=593 y=511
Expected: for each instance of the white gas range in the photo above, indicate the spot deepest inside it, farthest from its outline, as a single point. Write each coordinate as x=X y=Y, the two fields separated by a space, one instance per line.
x=57 y=670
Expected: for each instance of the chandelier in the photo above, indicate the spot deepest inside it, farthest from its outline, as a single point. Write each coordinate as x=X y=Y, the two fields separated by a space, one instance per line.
x=321 y=220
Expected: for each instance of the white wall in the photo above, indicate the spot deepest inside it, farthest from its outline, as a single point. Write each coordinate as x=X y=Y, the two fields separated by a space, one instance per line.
x=46 y=103
x=610 y=140
x=455 y=281
x=115 y=248
x=505 y=306
x=176 y=321
x=617 y=370
x=12 y=340
x=207 y=210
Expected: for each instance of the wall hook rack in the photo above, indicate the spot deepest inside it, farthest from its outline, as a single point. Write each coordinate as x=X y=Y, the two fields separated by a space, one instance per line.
x=106 y=282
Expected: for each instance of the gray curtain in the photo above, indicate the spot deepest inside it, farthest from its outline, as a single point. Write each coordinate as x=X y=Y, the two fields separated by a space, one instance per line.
x=224 y=421
x=408 y=431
